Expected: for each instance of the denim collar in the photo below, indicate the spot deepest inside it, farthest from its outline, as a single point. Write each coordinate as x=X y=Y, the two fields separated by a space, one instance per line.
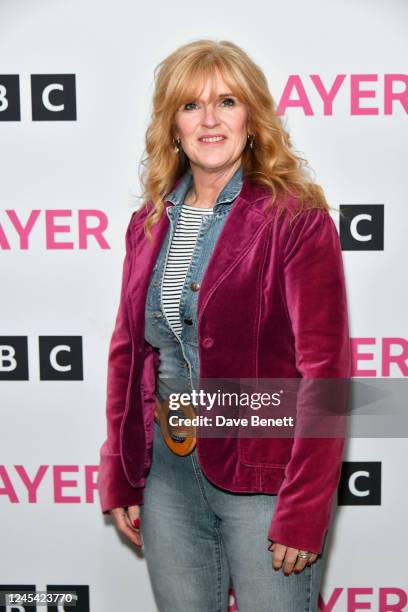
x=226 y=196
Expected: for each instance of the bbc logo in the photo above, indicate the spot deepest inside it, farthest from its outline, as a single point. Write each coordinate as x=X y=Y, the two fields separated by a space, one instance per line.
x=60 y=358
x=46 y=601
x=53 y=97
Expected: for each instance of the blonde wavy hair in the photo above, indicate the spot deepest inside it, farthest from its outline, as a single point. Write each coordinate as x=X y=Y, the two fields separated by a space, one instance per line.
x=272 y=161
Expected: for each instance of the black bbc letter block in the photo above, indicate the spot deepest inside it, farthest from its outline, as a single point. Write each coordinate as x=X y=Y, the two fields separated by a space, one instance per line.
x=10 y=97
x=61 y=358
x=361 y=227
x=81 y=597
x=53 y=97
x=17 y=590
x=13 y=358
x=360 y=484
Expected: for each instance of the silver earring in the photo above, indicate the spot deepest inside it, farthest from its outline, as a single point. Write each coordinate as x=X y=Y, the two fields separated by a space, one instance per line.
x=176 y=147
x=251 y=141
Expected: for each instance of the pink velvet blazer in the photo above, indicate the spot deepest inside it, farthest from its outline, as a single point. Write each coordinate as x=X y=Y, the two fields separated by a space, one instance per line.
x=281 y=290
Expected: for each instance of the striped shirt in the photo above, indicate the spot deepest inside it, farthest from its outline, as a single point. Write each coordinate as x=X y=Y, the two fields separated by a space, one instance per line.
x=178 y=261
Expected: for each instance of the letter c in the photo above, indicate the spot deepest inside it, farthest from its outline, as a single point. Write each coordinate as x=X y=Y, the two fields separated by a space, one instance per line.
x=46 y=97
x=352 y=484
x=354 y=230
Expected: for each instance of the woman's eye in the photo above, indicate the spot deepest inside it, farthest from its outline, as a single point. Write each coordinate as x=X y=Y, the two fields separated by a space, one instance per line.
x=229 y=100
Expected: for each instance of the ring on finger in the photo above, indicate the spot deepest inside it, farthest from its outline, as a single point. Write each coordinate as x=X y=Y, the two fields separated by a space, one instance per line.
x=304 y=554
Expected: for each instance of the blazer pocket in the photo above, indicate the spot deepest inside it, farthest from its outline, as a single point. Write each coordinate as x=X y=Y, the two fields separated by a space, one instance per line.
x=265 y=452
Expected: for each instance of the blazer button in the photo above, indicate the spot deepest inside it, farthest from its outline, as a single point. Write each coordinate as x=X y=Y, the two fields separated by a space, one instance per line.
x=208 y=342
x=188 y=321
x=195 y=286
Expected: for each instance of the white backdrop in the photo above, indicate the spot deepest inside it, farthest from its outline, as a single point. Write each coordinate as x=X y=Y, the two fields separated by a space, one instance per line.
x=52 y=422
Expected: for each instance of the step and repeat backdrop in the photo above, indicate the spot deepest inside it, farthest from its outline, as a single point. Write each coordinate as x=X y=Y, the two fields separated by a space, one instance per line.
x=76 y=80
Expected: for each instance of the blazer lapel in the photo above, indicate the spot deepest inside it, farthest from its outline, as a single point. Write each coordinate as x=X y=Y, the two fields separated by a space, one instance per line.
x=242 y=227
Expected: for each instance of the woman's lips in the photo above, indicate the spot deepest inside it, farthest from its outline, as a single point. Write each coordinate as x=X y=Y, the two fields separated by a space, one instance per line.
x=214 y=142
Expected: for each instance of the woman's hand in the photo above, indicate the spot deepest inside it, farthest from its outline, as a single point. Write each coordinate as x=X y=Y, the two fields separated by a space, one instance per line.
x=287 y=556
x=127 y=521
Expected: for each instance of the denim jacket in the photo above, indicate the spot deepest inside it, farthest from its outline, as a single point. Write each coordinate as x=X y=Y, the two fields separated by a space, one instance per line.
x=179 y=365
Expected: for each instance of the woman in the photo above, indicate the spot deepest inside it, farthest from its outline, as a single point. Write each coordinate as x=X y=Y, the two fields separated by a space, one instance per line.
x=233 y=270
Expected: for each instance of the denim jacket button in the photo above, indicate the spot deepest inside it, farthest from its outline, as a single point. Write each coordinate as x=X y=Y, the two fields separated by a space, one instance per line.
x=194 y=286
x=208 y=342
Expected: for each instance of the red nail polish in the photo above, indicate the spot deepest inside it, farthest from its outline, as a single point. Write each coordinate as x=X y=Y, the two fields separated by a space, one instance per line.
x=136 y=523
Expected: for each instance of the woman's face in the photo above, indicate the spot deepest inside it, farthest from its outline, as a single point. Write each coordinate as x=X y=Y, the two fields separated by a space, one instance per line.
x=225 y=118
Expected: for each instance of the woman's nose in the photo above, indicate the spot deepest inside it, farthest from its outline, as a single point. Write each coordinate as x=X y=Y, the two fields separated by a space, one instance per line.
x=210 y=116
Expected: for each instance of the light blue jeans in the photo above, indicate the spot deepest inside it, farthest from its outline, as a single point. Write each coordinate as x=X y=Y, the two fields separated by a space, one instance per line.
x=197 y=537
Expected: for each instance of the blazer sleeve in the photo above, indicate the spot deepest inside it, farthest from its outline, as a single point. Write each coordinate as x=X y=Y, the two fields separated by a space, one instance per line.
x=314 y=286
x=113 y=487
